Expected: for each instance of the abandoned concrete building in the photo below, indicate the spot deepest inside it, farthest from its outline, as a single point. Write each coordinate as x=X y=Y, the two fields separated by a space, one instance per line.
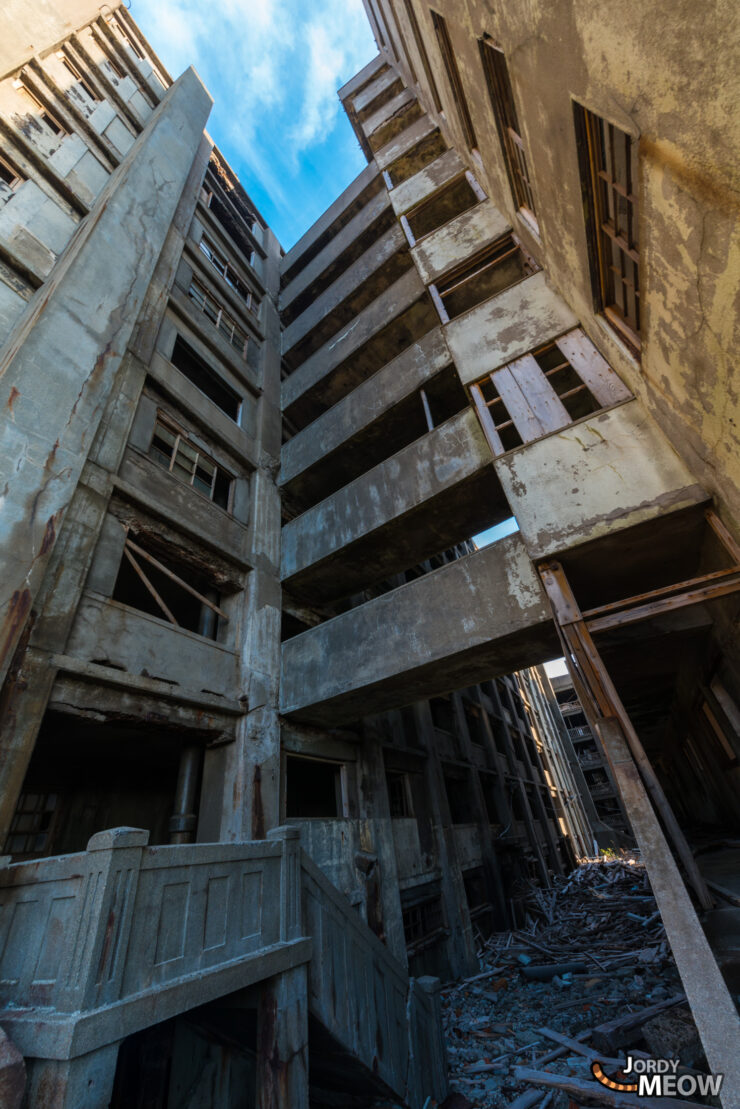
x=278 y=747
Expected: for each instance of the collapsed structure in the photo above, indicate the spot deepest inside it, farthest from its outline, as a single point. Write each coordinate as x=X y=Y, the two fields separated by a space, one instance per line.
x=274 y=730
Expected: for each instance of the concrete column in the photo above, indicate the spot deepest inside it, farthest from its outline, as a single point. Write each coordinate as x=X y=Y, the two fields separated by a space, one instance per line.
x=282 y=1041
x=82 y=1083
x=184 y=817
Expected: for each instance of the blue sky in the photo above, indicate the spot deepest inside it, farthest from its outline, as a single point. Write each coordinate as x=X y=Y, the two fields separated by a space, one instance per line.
x=273 y=68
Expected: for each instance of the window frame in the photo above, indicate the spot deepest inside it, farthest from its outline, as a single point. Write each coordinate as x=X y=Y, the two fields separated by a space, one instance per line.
x=165 y=421
x=602 y=232
x=449 y=61
x=503 y=106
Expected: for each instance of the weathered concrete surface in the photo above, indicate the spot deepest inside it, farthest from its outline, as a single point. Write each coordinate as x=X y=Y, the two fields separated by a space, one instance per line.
x=436 y=492
x=336 y=247
x=606 y=473
x=391 y=118
x=12 y=1074
x=107 y=270
x=405 y=142
x=362 y=407
x=483 y=615
x=458 y=240
x=139 y=643
x=417 y=188
x=377 y=265
x=507 y=326
x=384 y=86
x=322 y=366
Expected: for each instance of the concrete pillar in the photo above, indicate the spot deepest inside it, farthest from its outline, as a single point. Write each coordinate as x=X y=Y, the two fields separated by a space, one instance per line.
x=282 y=1041
x=184 y=817
x=82 y=1083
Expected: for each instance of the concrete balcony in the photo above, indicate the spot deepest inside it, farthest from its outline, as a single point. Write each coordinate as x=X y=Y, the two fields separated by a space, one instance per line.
x=458 y=240
x=436 y=492
x=400 y=316
x=345 y=207
x=595 y=479
x=370 y=99
x=122 y=637
x=411 y=151
x=481 y=616
x=383 y=263
x=344 y=247
x=392 y=118
x=368 y=415
x=510 y=324
x=427 y=181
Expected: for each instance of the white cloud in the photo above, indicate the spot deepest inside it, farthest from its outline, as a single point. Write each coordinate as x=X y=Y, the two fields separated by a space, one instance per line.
x=273 y=68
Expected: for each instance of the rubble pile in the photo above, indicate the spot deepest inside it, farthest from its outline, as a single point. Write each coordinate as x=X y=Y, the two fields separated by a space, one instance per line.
x=590 y=975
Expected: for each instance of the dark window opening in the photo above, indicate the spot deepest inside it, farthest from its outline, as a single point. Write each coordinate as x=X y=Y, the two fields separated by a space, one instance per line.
x=476 y=727
x=504 y=110
x=609 y=183
x=9 y=175
x=476 y=892
x=423 y=924
x=453 y=76
x=31 y=825
x=78 y=77
x=50 y=121
x=155 y=583
x=231 y=224
x=172 y=449
x=446 y=204
x=421 y=47
x=313 y=788
x=204 y=378
x=488 y=785
x=399 y=794
x=487 y=397
x=226 y=269
x=492 y=270
x=116 y=69
x=458 y=797
x=219 y=317
x=443 y=714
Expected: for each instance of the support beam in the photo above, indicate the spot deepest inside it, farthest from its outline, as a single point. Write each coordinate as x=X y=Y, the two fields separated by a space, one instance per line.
x=712 y=1007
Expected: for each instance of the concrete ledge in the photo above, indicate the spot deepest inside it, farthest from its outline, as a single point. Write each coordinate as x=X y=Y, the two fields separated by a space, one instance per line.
x=458 y=240
x=436 y=492
x=374 y=318
x=604 y=474
x=334 y=249
x=405 y=142
x=483 y=615
x=507 y=326
x=327 y=218
x=417 y=188
x=397 y=380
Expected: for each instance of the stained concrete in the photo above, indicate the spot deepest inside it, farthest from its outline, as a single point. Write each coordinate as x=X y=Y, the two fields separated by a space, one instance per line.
x=434 y=493
x=508 y=325
x=603 y=474
x=483 y=615
x=458 y=240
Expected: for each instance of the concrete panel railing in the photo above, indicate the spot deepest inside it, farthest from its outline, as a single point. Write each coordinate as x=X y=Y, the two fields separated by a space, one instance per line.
x=106 y=929
x=362 y=995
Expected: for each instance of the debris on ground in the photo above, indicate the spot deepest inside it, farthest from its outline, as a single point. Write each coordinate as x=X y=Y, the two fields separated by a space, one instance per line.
x=588 y=977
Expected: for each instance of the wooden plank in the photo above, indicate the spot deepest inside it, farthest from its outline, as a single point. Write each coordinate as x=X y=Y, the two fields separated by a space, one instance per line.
x=666 y=604
x=653 y=594
x=517 y=405
x=489 y=428
x=543 y=400
x=712 y=1007
x=149 y=586
x=593 y=370
x=727 y=540
x=174 y=577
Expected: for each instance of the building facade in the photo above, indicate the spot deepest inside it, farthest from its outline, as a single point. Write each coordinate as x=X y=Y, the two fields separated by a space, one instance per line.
x=275 y=732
